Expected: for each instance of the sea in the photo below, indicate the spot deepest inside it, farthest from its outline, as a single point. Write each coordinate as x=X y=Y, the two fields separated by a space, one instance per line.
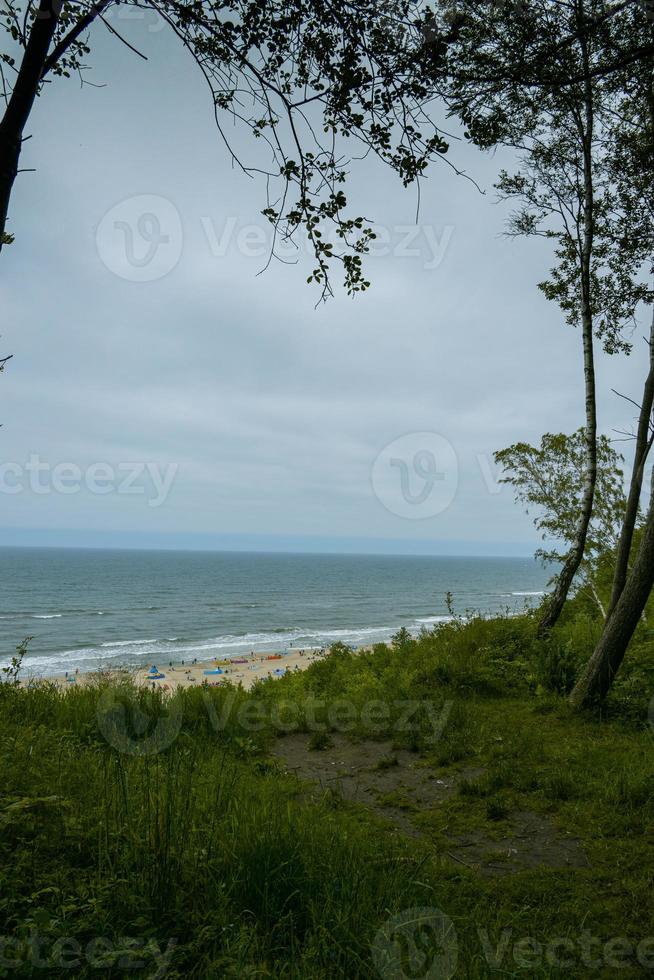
x=97 y=609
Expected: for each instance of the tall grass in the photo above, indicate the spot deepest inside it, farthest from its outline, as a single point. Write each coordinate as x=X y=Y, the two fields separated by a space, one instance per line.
x=204 y=844
x=140 y=819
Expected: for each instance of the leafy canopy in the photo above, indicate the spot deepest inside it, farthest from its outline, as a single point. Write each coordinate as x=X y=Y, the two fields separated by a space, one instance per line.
x=549 y=481
x=316 y=83
x=568 y=87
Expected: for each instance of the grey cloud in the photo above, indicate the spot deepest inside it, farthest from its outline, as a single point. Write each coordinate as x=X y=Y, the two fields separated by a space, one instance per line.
x=272 y=410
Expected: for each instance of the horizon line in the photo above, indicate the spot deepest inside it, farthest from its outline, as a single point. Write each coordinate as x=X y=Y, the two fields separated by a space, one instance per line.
x=259 y=551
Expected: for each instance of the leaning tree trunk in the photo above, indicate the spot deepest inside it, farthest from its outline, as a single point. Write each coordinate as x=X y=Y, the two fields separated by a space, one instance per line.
x=22 y=98
x=643 y=446
x=556 y=602
x=595 y=682
x=36 y=63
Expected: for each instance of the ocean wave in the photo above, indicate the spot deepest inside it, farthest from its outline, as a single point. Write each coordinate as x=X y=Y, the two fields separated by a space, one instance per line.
x=23 y=614
x=126 y=643
x=137 y=652
x=527 y=593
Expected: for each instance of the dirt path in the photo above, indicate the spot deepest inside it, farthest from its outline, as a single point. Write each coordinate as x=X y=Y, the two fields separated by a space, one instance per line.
x=398 y=786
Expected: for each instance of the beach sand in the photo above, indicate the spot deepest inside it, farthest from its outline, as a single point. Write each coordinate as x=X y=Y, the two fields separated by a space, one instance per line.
x=256 y=666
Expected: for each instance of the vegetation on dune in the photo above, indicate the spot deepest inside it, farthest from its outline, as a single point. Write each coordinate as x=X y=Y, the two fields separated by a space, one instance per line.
x=549 y=481
x=535 y=82
x=145 y=835
x=567 y=87
x=196 y=853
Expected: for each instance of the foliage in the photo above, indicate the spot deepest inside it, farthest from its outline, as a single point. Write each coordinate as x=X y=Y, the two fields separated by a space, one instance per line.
x=307 y=78
x=12 y=671
x=549 y=480
x=249 y=873
x=510 y=84
x=558 y=666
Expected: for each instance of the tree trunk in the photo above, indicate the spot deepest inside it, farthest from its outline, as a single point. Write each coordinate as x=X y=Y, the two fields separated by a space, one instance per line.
x=595 y=682
x=22 y=98
x=598 y=601
x=636 y=485
x=556 y=602
x=9 y=154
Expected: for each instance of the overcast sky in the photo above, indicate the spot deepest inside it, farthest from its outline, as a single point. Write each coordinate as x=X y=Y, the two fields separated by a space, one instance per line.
x=242 y=416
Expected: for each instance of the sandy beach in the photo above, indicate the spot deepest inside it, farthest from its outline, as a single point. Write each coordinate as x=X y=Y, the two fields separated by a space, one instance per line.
x=245 y=670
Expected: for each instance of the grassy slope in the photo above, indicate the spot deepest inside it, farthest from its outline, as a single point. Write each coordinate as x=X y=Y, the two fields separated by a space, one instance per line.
x=212 y=844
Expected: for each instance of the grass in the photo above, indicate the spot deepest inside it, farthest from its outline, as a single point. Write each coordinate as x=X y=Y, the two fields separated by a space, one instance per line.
x=135 y=830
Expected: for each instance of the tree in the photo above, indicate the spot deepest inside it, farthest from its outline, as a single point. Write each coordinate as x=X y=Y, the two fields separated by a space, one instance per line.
x=631 y=161
x=305 y=76
x=554 y=102
x=632 y=165
x=549 y=479
x=644 y=438
x=599 y=673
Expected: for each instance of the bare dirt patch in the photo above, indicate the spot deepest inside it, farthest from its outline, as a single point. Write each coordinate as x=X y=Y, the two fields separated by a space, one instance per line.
x=392 y=782
x=531 y=841
x=397 y=785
